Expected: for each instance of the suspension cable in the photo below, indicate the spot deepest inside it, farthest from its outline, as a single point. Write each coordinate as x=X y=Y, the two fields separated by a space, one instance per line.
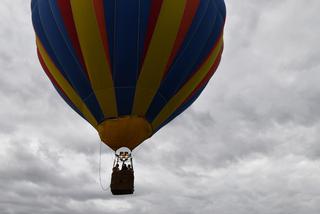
x=106 y=188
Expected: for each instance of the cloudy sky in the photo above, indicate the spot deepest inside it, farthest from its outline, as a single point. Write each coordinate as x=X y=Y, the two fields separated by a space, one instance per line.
x=249 y=145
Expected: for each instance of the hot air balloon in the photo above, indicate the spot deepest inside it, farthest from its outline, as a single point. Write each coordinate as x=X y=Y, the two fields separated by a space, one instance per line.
x=128 y=67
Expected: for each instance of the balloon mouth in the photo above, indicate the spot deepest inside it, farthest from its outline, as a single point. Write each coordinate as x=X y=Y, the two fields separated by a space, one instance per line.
x=127 y=131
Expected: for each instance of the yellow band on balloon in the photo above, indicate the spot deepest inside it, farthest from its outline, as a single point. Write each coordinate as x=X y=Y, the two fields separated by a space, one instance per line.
x=63 y=83
x=94 y=55
x=158 y=54
x=185 y=91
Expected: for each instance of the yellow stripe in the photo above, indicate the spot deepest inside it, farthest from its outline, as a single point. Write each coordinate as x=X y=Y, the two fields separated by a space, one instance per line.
x=158 y=54
x=94 y=55
x=67 y=88
x=185 y=91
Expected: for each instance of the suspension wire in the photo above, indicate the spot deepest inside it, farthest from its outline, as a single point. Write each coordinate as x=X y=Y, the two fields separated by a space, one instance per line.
x=106 y=188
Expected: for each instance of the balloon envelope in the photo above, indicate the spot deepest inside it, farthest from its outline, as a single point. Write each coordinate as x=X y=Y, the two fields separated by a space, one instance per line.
x=129 y=66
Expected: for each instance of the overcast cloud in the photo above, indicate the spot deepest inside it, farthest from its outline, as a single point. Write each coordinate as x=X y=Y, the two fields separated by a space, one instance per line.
x=249 y=145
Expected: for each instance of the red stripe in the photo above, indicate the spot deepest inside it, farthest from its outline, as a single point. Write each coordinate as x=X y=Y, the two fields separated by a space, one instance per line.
x=189 y=13
x=66 y=13
x=99 y=9
x=52 y=79
x=153 y=18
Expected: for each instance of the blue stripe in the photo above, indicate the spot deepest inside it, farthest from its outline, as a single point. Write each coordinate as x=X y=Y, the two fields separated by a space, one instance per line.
x=126 y=26
x=201 y=38
x=126 y=50
x=67 y=61
x=222 y=7
x=43 y=38
x=64 y=33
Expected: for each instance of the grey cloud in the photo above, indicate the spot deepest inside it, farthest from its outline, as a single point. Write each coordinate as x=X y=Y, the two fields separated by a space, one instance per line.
x=249 y=144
